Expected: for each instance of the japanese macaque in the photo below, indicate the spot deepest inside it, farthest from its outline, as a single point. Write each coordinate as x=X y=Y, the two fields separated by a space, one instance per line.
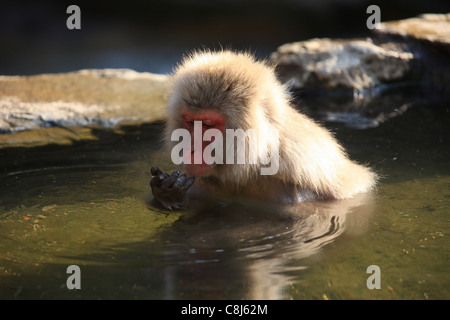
x=217 y=92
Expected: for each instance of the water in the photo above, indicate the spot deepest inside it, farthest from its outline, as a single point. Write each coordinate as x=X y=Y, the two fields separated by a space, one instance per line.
x=86 y=205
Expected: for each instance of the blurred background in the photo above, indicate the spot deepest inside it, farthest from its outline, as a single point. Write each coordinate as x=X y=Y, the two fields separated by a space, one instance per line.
x=153 y=35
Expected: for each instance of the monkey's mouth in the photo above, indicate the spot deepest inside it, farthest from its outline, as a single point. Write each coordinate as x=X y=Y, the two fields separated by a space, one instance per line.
x=196 y=170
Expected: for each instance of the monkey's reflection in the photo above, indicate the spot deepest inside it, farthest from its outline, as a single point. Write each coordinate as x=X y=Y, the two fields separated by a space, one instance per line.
x=235 y=251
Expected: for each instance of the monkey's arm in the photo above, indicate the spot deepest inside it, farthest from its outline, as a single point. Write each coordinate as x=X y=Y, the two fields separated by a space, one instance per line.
x=170 y=190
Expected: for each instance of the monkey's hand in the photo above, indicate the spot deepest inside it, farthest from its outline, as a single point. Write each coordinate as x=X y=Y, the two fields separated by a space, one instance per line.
x=170 y=190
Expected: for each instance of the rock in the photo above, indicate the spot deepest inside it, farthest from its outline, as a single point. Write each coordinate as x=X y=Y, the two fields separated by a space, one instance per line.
x=411 y=50
x=341 y=64
x=431 y=29
x=427 y=37
x=45 y=136
x=364 y=82
x=103 y=98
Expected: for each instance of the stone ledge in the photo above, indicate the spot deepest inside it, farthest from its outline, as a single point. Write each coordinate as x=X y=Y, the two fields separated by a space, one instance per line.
x=106 y=98
x=341 y=64
x=431 y=28
x=60 y=108
x=411 y=50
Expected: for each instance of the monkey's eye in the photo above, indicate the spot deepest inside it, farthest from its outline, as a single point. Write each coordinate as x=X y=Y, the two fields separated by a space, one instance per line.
x=208 y=126
x=188 y=122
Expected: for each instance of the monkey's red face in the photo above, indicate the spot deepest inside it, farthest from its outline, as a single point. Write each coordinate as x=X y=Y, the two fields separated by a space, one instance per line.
x=210 y=119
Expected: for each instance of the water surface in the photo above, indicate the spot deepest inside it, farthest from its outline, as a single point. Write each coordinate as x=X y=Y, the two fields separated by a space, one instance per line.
x=86 y=205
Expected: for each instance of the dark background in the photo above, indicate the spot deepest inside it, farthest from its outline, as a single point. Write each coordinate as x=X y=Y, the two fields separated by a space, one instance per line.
x=153 y=35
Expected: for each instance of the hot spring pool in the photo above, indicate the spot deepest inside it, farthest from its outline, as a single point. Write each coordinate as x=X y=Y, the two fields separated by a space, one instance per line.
x=86 y=205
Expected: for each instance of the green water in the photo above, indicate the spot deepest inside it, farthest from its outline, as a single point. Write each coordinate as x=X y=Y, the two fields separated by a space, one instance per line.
x=86 y=205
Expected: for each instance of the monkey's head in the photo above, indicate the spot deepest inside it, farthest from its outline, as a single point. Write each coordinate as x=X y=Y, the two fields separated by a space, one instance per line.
x=223 y=90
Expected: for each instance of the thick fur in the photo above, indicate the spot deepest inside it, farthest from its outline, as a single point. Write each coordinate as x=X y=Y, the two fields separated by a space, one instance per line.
x=312 y=163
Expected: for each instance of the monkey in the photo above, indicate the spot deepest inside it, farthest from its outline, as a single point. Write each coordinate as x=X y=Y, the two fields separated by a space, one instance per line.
x=227 y=90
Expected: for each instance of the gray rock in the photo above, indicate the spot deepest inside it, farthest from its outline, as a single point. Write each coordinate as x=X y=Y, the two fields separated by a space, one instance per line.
x=364 y=82
x=340 y=64
x=431 y=29
x=104 y=98
x=410 y=50
x=427 y=37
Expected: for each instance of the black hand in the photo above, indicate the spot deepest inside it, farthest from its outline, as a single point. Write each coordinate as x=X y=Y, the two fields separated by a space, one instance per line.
x=170 y=190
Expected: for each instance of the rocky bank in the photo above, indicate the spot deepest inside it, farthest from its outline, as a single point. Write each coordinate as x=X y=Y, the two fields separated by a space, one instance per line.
x=67 y=105
x=400 y=55
x=411 y=50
